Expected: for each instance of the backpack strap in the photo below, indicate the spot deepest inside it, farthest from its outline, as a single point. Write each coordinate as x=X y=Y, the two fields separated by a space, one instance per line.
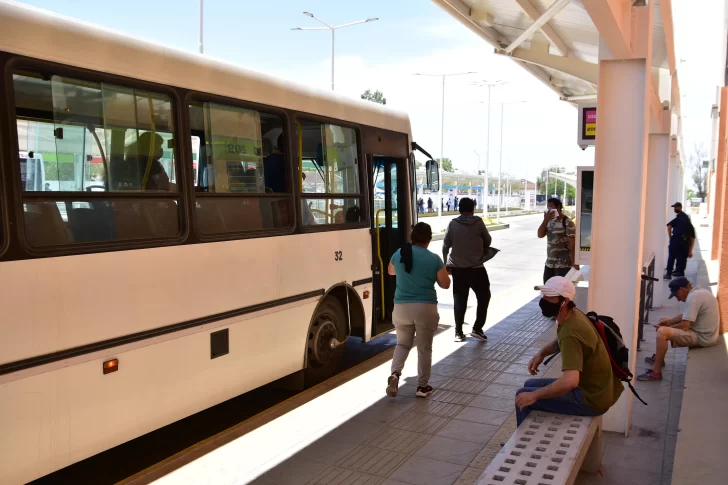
x=635 y=392
x=551 y=357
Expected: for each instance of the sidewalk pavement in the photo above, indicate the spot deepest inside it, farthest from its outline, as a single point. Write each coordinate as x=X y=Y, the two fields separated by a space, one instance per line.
x=702 y=440
x=448 y=438
x=647 y=455
x=354 y=434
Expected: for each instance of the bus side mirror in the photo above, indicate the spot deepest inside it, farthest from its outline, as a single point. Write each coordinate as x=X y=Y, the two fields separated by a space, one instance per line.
x=432 y=170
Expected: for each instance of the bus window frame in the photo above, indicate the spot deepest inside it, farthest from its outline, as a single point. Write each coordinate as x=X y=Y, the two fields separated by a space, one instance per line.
x=202 y=97
x=363 y=182
x=19 y=63
x=6 y=144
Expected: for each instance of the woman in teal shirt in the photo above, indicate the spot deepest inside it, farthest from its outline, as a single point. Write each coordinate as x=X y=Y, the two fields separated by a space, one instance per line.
x=415 y=306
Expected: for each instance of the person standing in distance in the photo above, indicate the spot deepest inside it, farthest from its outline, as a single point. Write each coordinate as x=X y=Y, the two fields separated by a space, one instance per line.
x=470 y=241
x=560 y=234
x=682 y=239
x=415 y=306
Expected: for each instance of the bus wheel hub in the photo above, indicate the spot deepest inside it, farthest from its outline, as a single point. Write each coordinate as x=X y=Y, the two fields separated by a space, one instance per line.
x=323 y=341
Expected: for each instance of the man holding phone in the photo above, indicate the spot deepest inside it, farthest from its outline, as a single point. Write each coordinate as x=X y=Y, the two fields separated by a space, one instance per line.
x=560 y=233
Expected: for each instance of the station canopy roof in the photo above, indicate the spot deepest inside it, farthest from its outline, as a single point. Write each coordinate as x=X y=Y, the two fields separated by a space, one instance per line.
x=555 y=40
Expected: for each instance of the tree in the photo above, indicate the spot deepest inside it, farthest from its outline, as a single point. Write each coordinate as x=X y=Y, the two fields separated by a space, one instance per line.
x=446 y=164
x=555 y=187
x=698 y=173
x=376 y=96
x=418 y=165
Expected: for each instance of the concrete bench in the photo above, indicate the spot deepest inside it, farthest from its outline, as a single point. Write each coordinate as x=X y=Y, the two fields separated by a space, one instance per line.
x=700 y=454
x=547 y=449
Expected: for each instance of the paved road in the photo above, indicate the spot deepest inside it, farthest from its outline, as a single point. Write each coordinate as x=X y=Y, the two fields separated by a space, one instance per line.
x=513 y=272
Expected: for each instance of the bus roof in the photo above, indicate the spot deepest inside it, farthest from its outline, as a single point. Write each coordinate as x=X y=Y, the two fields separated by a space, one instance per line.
x=40 y=34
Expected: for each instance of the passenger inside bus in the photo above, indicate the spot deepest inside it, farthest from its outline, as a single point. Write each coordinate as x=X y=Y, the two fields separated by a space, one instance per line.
x=146 y=153
x=274 y=167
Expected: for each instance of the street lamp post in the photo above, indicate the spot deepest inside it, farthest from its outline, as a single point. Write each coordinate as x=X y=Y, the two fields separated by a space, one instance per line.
x=500 y=163
x=486 y=190
x=332 y=28
x=500 y=167
x=200 y=38
x=442 y=136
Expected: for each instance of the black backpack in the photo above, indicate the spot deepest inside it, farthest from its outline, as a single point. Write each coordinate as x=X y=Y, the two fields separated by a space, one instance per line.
x=610 y=335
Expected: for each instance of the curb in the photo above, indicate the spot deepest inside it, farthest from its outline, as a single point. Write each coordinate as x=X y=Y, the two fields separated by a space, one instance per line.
x=496 y=227
x=480 y=213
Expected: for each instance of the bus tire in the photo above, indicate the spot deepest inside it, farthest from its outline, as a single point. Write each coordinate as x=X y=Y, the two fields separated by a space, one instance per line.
x=323 y=353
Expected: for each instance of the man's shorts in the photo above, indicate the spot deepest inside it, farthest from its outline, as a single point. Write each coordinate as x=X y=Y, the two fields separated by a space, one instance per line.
x=684 y=338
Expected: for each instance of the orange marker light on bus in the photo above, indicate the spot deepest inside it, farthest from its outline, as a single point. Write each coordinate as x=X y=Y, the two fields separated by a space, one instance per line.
x=366 y=295
x=111 y=366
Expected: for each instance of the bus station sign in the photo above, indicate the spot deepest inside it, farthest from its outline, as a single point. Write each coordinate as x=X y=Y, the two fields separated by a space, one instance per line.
x=587 y=134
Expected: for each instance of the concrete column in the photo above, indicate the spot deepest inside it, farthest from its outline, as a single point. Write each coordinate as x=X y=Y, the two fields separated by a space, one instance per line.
x=681 y=185
x=720 y=176
x=720 y=222
x=619 y=191
x=674 y=181
x=656 y=201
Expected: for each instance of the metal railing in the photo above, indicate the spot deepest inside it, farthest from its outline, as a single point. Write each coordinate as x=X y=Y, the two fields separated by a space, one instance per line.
x=647 y=286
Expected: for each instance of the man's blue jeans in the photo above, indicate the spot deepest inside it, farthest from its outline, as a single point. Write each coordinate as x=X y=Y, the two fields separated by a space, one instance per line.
x=570 y=403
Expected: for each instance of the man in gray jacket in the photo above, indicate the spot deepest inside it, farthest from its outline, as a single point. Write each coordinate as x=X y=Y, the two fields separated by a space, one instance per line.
x=470 y=242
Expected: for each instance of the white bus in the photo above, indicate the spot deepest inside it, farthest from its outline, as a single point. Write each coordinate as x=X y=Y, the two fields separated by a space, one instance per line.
x=201 y=230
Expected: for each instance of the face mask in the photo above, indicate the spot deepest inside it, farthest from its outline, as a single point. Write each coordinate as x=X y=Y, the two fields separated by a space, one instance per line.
x=549 y=309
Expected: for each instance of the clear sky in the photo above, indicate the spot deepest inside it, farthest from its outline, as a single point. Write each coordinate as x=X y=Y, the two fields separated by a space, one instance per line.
x=410 y=36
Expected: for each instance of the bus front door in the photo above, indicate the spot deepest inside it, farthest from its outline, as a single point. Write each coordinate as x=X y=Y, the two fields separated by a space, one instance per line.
x=388 y=216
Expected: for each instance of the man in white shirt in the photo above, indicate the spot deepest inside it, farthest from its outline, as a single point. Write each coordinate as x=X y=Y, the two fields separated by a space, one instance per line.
x=697 y=326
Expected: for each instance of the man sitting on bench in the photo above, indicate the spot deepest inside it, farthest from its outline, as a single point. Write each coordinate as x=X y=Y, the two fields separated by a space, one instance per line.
x=587 y=386
x=697 y=326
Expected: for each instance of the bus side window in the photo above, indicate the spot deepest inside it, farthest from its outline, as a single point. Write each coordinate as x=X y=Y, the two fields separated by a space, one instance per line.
x=242 y=157
x=86 y=141
x=329 y=168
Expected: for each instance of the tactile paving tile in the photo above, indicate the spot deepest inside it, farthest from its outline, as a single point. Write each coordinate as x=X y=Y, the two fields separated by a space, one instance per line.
x=543 y=450
x=519 y=340
x=486 y=456
x=420 y=423
x=527 y=334
x=500 y=355
x=437 y=408
x=451 y=397
x=457 y=360
x=464 y=385
x=446 y=370
x=373 y=460
x=486 y=364
x=397 y=440
x=503 y=434
x=516 y=380
x=520 y=369
x=341 y=476
x=510 y=348
x=470 y=476
x=477 y=374
x=500 y=390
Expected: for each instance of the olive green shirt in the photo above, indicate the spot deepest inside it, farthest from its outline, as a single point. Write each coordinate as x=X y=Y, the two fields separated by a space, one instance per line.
x=582 y=349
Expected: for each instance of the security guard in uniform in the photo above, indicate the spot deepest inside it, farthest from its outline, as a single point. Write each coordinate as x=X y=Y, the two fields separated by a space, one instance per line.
x=682 y=238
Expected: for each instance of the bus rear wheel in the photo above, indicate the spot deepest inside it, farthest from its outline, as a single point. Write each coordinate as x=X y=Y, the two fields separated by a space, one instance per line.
x=326 y=337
